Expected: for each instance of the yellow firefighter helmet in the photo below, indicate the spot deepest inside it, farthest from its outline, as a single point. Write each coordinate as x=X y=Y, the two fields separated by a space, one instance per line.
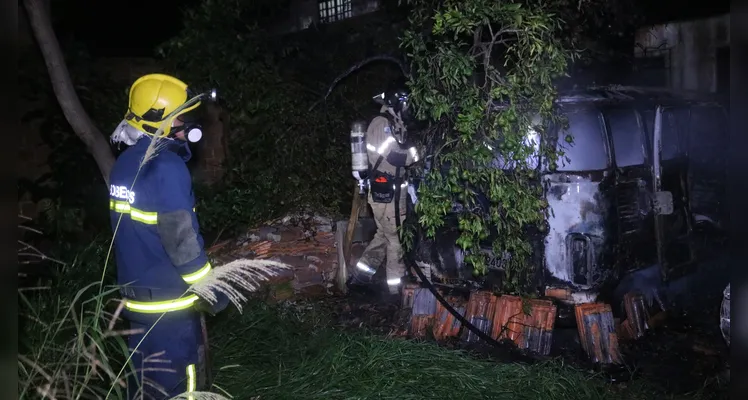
x=152 y=98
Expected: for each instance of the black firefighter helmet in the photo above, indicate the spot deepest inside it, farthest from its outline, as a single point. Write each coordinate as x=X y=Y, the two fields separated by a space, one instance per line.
x=397 y=96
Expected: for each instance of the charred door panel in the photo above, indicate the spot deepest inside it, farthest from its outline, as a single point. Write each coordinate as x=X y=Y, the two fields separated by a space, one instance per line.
x=677 y=247
x=706 y=147
x=674 y=231
x=636 y=245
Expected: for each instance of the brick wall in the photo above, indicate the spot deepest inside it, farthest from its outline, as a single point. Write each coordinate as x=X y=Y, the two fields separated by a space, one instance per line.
x=308 y=247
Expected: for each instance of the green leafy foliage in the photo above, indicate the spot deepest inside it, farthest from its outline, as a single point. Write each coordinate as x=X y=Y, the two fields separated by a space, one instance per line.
x=483 y=74
x=281 y=156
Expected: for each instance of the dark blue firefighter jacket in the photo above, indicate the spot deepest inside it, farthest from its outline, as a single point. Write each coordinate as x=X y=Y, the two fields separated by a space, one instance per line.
x=158 y=247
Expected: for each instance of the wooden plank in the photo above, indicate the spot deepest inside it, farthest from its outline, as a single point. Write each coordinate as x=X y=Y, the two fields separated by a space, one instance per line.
x=341 y=275
x=208 y=383
x=357 y=203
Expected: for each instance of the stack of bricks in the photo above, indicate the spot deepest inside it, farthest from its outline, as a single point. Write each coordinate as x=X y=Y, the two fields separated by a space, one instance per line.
x=597 y=332
x=313 y=259
x=528 y=323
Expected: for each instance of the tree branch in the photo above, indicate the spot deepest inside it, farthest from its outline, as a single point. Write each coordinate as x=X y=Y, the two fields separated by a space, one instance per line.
x=357 y=66
x=97 y=145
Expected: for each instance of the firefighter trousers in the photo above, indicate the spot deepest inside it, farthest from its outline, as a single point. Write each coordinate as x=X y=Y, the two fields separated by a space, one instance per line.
x=386 y=244
x=169 y=358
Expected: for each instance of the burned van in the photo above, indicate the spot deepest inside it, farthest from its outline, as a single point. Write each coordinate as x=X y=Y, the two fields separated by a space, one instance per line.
x=644 y=168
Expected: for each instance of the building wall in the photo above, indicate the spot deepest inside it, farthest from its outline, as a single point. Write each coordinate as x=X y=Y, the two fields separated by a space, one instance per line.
x=304 y=13
x=682 y=55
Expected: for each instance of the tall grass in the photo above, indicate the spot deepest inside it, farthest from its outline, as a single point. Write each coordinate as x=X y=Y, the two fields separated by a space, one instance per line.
x=68 y=349
x=74 y=344
x=291 y=351
x=69 y=356
x=296 y=351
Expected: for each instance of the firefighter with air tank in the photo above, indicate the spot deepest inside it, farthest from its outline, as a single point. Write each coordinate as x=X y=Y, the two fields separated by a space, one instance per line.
x=380 y=157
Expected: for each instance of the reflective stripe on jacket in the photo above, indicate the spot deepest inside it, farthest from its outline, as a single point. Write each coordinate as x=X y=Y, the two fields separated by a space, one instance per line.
x=158 y=247
x=381 y=142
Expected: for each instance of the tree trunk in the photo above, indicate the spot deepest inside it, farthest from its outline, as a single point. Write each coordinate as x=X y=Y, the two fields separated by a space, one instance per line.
x=41 y=26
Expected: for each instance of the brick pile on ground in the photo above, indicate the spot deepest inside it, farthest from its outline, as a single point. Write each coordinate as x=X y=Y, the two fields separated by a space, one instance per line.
x=304 y=241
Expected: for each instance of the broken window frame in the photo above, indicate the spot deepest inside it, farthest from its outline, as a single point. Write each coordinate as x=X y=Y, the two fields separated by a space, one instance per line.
x=673 y=120
x=641 y=132
x=534 y=138
x=559 y=134
x=330 y=11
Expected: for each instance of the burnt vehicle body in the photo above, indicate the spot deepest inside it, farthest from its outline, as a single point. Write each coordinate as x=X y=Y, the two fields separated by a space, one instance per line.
x=643 y=171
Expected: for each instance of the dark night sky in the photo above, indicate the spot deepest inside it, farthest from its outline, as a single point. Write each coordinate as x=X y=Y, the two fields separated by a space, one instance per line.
x=133 y=28
x=119 y=28
x=661 y=11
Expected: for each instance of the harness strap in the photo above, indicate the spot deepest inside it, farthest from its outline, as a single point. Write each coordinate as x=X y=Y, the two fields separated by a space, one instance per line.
x=397 y=199
x=376 y=165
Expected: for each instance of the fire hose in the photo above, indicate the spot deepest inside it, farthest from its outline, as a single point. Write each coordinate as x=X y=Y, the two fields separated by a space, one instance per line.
x=410 y=263
x=360 y=164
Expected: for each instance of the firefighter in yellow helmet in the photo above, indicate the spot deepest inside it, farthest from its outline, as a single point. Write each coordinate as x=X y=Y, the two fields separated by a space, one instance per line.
x=157 y=242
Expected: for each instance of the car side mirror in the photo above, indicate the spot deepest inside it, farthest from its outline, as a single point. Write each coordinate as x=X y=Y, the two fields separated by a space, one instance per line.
x=662 y=203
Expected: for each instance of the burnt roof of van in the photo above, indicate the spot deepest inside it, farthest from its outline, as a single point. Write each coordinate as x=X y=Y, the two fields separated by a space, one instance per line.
x=632 y=93
x=636 y=94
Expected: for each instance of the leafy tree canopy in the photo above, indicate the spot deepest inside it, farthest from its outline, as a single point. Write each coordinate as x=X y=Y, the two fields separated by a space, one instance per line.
x=484 y=75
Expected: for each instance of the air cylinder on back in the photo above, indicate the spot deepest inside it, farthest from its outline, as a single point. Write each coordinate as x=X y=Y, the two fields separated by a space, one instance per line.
x=359 y=156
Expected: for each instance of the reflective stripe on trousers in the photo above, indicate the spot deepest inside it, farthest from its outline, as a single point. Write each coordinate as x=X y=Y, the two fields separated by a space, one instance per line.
x=191 y=381
x=167 y=357
x=385 y=246
x=370 y=271
x=365 y=268
x=150 y=307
